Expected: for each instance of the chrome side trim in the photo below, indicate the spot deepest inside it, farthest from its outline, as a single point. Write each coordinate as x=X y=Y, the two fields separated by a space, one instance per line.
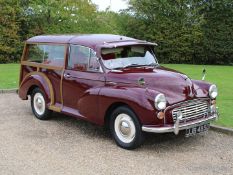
x=177 y=126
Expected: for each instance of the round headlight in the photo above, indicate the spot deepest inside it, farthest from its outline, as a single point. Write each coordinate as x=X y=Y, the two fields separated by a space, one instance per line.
x=213 y=91
x=160 y=102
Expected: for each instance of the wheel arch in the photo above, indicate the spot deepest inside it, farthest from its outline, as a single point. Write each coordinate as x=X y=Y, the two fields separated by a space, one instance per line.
x=114 y=106
x=137 y=99
x=29 y=92
x=36 y=80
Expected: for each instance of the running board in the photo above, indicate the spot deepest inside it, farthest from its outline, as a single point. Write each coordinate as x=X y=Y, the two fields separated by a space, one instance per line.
x=72 y=112
x=55 y=108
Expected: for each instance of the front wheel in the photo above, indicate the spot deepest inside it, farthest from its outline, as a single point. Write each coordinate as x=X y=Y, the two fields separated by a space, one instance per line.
x=38 y=105
x=125 y=128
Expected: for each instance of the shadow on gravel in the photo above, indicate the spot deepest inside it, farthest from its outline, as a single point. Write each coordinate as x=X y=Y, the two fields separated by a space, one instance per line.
x=170 y=142
x=84 y=127
x=155 y=142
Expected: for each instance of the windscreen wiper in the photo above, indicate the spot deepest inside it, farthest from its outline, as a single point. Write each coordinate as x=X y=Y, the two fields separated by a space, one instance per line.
x=136 y=65
x=132 y=65
x=151 y=64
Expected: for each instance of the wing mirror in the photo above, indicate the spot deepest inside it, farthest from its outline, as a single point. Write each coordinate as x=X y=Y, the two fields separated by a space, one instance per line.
x=203 y=74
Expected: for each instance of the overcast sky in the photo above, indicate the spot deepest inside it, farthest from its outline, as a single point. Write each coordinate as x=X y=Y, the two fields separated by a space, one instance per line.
x=116 y=5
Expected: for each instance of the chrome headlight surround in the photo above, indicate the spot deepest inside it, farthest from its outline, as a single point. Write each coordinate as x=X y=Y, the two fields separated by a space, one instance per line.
x=213 y=91
x=160 y=102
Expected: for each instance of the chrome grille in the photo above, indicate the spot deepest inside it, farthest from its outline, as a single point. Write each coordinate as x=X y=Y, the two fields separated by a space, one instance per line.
x=191 y=109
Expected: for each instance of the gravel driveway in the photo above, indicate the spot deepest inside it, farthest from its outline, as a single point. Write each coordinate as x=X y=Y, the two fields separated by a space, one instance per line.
x=64 y=145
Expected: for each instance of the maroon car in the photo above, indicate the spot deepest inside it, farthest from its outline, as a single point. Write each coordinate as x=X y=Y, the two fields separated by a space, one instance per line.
x=114 y=81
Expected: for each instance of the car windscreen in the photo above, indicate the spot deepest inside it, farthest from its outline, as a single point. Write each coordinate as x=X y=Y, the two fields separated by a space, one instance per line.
x=128 y=56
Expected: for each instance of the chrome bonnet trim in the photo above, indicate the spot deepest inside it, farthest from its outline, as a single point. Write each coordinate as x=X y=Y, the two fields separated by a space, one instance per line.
x=177 y=126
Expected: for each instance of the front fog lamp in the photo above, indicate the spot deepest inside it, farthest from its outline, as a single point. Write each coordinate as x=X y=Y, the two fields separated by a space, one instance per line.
x=213 y=91
x=160 y=102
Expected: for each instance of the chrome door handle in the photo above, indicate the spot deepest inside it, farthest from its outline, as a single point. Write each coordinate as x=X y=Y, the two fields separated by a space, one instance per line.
x=111 y=83
x=67 y=75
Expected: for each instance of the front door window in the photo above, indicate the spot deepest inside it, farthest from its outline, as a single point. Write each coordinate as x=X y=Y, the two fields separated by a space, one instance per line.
x=82 y=59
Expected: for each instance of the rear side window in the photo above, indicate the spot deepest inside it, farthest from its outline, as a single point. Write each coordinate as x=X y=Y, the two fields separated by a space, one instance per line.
x=46 y=54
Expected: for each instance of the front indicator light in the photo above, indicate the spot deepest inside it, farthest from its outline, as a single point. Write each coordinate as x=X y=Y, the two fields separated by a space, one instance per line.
x=161 y=115
x=213 y=102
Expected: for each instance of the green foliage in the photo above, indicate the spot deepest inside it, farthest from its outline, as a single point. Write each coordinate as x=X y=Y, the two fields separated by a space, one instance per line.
x=187 y=31
x=171 y=24
x=107 y=22
x=22 y=19
x=9 y=39
x=217 y=30
x=70 y=16
x=54 y=16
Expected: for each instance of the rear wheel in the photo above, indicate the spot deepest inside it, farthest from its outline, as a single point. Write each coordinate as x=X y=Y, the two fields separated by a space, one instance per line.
x=125 y=128
x=38 y=105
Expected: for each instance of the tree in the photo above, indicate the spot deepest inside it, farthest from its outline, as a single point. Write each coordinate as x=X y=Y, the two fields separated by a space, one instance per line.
x=9 y=28
x=187 y=31
x=54 y=16
x=174 y=25
x=217 y=31
x=22 y=19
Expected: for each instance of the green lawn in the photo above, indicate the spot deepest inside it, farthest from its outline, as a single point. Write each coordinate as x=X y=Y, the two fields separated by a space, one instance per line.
x=9 y=76
x=222 y=76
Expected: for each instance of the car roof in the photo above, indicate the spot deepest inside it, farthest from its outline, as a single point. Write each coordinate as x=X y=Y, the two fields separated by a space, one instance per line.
x=89 y=40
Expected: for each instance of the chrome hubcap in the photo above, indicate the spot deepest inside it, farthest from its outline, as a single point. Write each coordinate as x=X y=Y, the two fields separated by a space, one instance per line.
x=125 y=128
x=39 y=103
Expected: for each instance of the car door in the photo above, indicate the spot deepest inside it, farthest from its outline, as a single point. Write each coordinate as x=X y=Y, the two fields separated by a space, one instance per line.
x=81 y=83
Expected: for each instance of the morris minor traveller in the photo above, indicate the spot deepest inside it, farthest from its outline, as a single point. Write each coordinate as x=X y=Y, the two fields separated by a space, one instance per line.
x=114 y=81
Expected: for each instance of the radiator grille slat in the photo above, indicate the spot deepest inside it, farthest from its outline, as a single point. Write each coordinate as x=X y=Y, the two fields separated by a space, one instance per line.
x=191 y=109
x=191 y=106
x=187 y=112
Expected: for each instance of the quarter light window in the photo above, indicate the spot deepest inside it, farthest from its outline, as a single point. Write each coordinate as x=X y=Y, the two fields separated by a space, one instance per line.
x=47 y=54
x=82 y=59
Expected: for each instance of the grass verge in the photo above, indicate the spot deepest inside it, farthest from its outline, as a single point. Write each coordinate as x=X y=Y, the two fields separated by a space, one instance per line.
x=9 y=76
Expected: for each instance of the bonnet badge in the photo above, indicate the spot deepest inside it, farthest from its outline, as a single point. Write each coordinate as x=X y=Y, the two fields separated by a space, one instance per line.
x=141 y=81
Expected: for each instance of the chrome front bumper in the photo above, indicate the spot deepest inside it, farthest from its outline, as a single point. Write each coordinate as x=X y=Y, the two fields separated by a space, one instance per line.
x=179 y=126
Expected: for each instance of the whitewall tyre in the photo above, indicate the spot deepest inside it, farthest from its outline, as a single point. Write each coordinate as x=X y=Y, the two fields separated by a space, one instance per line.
x=126 y=128
x=38 y=105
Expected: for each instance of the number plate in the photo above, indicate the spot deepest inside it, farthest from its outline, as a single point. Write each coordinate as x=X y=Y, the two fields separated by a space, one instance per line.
x=201 y=129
